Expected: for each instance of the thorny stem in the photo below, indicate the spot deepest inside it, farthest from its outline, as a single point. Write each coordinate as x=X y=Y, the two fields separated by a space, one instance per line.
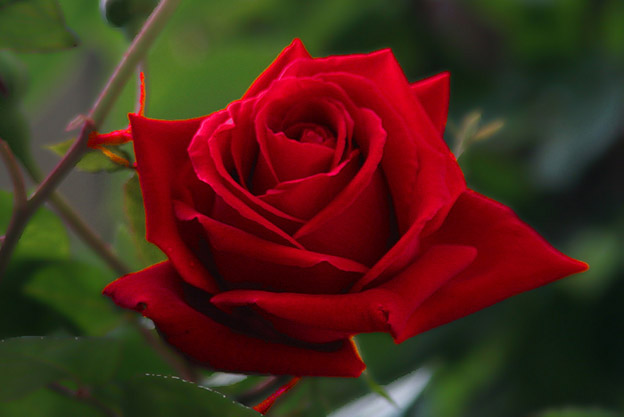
x=80 y=227
x=135 y=53
x=25 y=208
x=262 y=390
x=266 y=405
x=9 y=240
x=19 y=190
x=87 y=234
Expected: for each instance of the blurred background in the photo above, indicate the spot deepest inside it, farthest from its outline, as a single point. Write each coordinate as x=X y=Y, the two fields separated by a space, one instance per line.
x=552 y=70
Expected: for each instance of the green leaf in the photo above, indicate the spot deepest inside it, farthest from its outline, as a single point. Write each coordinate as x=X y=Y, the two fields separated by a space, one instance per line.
x=92 y=161
x=44 y=402
x=454 y=386
x=44 y=242
x=30 y=363
x=376 y=388
x=135 y=215
x=34 y=26
x=75 y=290
x=137 y=357
x=157 y=396
x=45 y=236
x=577 y=412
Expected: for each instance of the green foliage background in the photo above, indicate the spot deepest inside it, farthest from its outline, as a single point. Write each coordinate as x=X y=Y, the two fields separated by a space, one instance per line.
x=553 y=70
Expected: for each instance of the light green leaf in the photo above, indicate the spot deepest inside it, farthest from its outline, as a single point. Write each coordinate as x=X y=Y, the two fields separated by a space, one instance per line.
x=34 y=26
x=92 y=161
x=75 y=290
x=157 y=396
x=30 y=363
x=376 y=388
x=135 y=215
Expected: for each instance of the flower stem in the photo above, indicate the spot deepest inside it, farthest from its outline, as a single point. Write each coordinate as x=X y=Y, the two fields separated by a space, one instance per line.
x=135 y=53
x=265 y=405
x=87 y=234
x=19 y=190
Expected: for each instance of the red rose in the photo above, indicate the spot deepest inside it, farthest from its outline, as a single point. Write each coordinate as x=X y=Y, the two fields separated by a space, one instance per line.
x=321 y=205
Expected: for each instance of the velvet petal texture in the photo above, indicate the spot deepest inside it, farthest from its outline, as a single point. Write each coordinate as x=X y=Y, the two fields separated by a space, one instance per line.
x=244 y=258
x=384 y=308
x=512 y=258
x=160 y=148
x=157 y=293
x=305 y=198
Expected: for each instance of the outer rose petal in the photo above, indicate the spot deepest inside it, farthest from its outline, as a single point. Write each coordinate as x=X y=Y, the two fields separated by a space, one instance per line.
x=512 y=258
x=158 y=294
x=385 y=308
x=292 y=52
x=160 y=148
x=433 y=93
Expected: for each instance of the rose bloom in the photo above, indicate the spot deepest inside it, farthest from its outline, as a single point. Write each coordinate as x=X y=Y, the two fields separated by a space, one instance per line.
x=322 y=204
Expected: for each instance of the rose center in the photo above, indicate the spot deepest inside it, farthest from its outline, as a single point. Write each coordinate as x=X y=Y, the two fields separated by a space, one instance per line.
x=311 y=133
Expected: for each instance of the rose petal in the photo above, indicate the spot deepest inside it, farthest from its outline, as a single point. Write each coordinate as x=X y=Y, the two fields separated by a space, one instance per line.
x=383 y=70
x=305 y=197
x=292 y=52
x=160 y=148
x=433 y=93
x=512 y=258
x=293 y=160
x=385 y=308
x=360 y=231
x=219 y=146
x=245 y=260
x=370 y=138
x=321 y=110
x=376 y=81
x=209 y=155
x=412 y=168
x=291 y=102
x=158 y=294
x=412 y=164
x=253 y=166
